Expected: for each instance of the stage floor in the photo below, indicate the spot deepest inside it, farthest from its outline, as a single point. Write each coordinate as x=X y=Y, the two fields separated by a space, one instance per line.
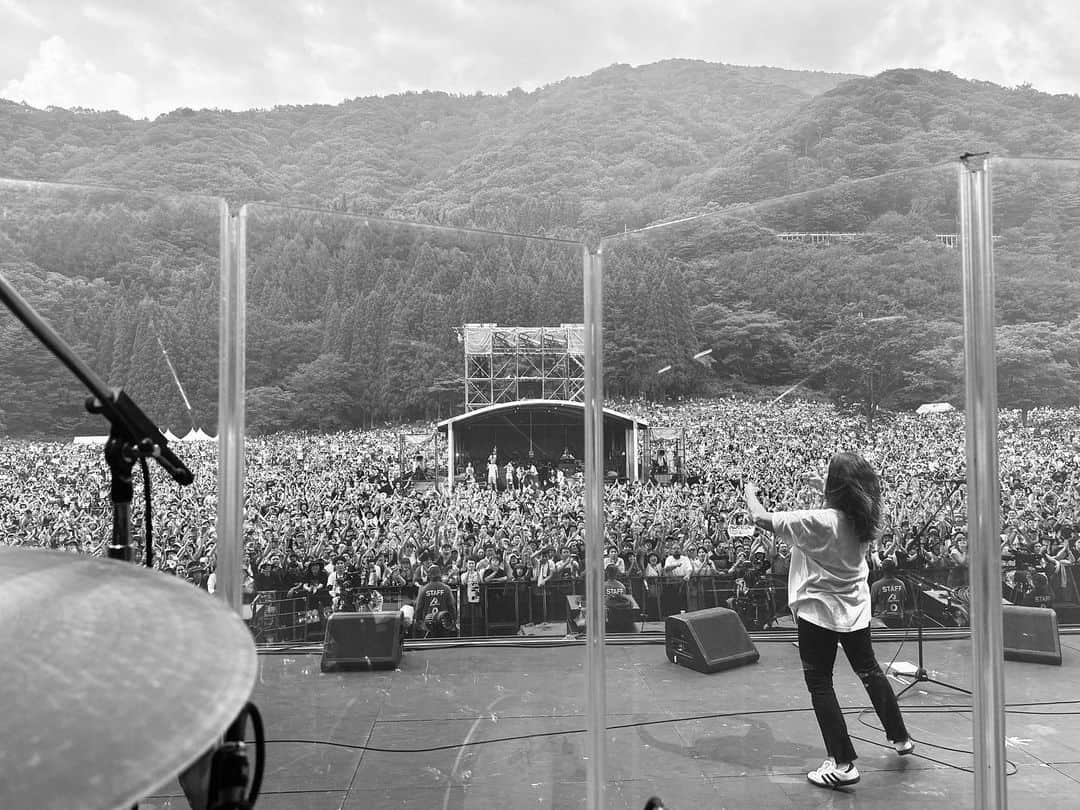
x=481 y=727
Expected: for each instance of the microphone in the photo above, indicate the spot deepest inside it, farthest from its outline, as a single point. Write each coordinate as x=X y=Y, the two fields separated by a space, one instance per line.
x=136 y=427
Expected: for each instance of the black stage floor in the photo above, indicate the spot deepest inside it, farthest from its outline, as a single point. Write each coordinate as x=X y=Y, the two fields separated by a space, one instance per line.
x=502 y=727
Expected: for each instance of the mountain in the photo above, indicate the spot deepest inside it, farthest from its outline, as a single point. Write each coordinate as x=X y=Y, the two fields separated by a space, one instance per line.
x=616 y=149
x=619 y=137
x=366 y=309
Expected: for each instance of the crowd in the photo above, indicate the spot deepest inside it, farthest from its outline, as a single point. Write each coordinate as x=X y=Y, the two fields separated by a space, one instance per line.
x=323 y=511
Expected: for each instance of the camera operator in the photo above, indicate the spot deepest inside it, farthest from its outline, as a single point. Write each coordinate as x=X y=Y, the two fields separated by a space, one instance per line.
x=753 y=596
x=917 y=552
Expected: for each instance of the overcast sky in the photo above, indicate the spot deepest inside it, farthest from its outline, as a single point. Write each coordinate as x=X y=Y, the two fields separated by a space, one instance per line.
x=145 y=57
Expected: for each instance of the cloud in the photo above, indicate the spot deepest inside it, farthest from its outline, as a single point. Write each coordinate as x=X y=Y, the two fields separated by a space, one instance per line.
x=147 y=58
x=18 y=12
x=58 y=76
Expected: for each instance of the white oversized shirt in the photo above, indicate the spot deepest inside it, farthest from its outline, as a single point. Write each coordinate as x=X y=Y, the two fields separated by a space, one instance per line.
x=827 y=578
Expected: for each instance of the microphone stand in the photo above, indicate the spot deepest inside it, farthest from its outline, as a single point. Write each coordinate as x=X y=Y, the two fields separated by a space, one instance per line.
x=921 y=675
x=217 y=780
x=132 y=434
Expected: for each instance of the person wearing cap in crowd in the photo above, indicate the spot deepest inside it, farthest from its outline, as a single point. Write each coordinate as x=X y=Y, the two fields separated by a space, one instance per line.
x=198 y=573
x=495 y=569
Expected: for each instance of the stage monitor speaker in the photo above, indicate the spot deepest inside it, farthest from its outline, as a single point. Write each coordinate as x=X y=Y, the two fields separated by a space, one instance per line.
x=363 y=640
x=708 y=640
x=1031 y=634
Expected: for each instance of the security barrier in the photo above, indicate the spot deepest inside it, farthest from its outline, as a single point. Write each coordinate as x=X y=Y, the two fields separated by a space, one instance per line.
x=936 y=596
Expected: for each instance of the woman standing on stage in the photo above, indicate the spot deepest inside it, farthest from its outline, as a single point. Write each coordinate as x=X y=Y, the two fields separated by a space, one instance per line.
x=830 y=599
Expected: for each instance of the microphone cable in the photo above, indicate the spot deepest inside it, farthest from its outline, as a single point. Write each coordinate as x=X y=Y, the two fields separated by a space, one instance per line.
x=148 y=517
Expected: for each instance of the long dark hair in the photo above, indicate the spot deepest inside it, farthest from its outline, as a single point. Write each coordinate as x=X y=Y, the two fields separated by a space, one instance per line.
x=854 y=488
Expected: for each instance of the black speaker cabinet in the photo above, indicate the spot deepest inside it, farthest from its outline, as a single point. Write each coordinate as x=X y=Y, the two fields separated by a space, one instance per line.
x=363 y=640
x=708 y=640
x=1031 y=634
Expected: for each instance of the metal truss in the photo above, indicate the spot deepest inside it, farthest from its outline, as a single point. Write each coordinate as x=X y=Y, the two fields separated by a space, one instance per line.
x=510 y=363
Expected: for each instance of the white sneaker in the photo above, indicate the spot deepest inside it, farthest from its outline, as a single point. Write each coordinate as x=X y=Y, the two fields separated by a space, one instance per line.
x=904 y=747
x=828 y=775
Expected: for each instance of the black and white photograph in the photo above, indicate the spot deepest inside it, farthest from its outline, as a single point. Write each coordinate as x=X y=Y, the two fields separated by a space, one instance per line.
x=496 y=403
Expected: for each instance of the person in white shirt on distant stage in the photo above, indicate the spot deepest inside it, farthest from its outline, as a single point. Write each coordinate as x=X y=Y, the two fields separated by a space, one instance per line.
x=829 y=595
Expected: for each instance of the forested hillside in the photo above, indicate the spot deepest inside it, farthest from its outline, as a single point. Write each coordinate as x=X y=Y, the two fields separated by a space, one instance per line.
x=351 y=317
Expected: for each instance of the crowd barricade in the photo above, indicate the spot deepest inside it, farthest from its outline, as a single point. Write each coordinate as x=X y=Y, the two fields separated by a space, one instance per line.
x=759 y=601
x=550 y=603
x=375 y=598
x=938 y=596
x=278 y=618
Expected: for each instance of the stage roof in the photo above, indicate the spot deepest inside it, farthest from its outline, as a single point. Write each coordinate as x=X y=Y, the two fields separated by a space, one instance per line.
x=543 y=405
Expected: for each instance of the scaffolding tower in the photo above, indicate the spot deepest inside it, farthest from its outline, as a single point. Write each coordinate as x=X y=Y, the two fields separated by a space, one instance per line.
x=510 y=363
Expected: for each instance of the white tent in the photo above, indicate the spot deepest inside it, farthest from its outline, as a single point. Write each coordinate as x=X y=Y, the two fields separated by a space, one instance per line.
x=170 y=436
x=202 y=436
x=934 y=407
x=91 y=439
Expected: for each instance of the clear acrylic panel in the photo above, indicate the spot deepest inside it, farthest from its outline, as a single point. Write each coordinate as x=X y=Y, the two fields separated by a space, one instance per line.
x=1036 y=246
x=130 y=282
x=414 y=399
x=755 y=340
x=1036 y=251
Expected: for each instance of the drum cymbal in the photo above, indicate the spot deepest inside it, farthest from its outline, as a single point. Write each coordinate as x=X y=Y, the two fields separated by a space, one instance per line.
x=113 y=678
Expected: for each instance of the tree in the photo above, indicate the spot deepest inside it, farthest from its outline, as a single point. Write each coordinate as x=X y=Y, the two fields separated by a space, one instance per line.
x=1028 y=374
x=754 y=346
x=268 y=410
x=864 y=361
x=323 y=393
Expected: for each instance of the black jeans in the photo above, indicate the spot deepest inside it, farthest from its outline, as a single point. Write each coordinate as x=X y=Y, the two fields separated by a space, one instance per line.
x=817 y=648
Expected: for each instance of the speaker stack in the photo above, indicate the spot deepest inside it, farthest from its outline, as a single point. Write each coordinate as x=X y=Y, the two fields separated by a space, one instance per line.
x=708 y=640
